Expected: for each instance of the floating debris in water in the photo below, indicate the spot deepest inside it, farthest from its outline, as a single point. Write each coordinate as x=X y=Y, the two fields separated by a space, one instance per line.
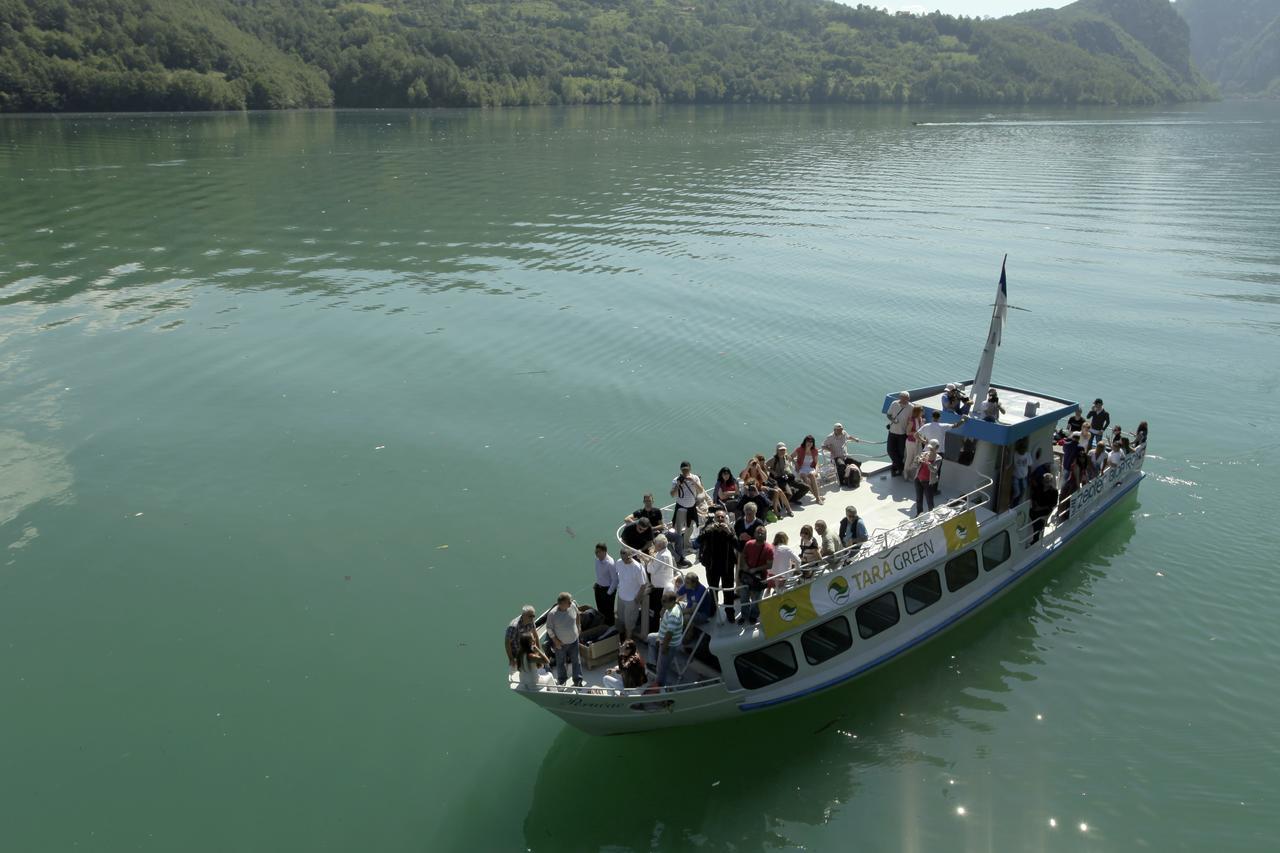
x=442 y=547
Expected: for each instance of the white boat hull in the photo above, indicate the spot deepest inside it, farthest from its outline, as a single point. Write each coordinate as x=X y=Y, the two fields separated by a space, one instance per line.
x=603 y=711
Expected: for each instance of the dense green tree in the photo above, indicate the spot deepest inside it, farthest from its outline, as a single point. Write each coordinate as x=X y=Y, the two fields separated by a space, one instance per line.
x=236 y=54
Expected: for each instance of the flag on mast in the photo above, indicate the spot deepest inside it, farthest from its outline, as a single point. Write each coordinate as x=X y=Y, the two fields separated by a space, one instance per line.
x=1002 y=301
x=982 y=380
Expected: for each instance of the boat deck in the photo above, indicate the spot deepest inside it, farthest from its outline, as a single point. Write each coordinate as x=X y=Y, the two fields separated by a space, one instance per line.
x=885 y=504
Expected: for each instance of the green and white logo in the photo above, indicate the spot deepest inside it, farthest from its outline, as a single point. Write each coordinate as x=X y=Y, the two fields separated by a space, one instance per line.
x=787 y=611
x=838 y=589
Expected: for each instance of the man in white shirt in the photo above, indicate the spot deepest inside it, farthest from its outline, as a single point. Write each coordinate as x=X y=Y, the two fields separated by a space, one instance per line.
x=631 y=581
x=899 y=416
x=662 y=573
x=686 y=488
x=606 y=583
x=936 y=430
x=1115 y=457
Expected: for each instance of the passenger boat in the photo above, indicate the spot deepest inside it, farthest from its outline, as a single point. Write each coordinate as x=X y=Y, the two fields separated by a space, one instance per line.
x=836 y=619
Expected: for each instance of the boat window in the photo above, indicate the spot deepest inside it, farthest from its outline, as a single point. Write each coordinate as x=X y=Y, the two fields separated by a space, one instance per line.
x=995 y=550
x=827 y=640
x=765 y=666
x=962 y=570
x=877 y=614
x=921 y=591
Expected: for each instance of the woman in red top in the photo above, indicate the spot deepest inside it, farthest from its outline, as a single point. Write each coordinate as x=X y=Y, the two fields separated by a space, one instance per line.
x=806 y=457
x=927 y=467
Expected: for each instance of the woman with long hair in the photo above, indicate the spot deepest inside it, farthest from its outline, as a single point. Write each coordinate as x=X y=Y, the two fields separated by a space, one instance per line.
x=726 y=490
x=630 y=671
x=529 y=659
x=913 y=443
x=755 y=472
x=806 y=457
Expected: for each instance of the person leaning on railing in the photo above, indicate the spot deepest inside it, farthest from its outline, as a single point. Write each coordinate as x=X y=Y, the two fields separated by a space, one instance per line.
x=699 y=604
x=662 y=574
x=525 y=623
x=836 y=445
x=667 y=638
x=653 y=515
x=853 y=530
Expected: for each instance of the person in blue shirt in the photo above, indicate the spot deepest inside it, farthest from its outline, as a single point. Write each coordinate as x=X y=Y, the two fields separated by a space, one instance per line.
x=853 y=530
x=696 y=601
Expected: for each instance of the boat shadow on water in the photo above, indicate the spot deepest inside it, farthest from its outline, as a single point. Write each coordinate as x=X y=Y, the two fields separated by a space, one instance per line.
x=735 y=784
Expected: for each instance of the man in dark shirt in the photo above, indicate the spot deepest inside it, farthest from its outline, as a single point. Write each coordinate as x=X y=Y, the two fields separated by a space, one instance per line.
x=648 y=511
x=744 y=529
x=1043 y=501
x=638 y=533
x=1075 y=423
x=718 y=553
x=654 y=516
x=1099 y=420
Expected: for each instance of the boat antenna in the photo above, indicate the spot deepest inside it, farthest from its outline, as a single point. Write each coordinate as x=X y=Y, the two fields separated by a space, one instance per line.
x=982 y=380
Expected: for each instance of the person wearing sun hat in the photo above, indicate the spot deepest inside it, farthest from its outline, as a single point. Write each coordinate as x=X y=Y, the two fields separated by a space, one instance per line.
x=899 y=415
x=836 y=446
x=783 y=472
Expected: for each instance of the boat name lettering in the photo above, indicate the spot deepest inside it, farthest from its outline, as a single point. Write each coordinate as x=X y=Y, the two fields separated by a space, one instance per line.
x=579 y=702
x=1088 y=493
x=905 y=559
x=871 y=576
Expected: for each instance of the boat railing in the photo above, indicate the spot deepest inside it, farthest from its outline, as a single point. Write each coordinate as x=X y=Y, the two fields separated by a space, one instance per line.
x=879 y=543
x=649 y=690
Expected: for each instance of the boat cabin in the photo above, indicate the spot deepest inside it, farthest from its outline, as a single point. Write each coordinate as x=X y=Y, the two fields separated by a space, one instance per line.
x=979 y=450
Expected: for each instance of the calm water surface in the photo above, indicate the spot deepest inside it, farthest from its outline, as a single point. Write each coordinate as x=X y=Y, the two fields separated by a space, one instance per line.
x=296 y=410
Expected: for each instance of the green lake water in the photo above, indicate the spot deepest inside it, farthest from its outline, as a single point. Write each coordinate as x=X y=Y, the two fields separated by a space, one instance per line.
x=296 y=410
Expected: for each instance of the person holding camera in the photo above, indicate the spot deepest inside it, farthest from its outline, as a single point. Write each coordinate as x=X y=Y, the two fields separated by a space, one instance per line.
x=686 y=488
x=990 y=409
x=954 y=400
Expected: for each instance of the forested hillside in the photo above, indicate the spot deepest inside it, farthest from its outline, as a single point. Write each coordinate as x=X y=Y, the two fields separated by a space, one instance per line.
x=1236 y=43
x=236 y=54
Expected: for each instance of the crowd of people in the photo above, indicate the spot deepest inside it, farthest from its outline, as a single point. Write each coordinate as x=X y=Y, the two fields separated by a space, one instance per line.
x=726 y=528
x=650 y=581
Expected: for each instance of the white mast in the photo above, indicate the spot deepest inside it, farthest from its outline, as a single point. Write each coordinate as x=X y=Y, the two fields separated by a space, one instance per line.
x=982 y=381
